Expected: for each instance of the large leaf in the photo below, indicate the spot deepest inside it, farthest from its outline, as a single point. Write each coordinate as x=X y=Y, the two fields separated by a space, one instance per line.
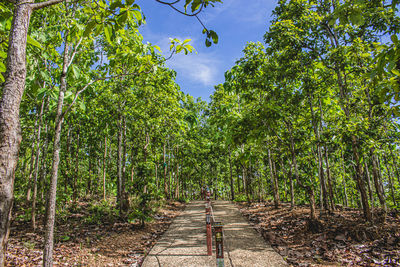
x=33 y=42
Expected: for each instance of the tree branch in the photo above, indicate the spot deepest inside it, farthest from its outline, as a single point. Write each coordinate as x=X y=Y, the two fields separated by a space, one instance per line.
x=12 y=1
x=74 y=52
x=177 y=10
x=46 y=3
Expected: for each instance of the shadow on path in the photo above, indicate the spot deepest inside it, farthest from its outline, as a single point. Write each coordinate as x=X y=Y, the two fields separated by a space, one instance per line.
x=184 y=244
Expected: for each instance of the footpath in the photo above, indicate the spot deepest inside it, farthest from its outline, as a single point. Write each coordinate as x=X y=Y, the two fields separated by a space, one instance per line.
x=184 y=244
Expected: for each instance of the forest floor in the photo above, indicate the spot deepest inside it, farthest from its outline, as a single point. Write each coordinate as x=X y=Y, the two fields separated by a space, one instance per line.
x=81 y=243
x=345 y=239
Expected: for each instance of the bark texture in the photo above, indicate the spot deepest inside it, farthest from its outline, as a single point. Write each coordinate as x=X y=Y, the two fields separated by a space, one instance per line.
x=10 y=129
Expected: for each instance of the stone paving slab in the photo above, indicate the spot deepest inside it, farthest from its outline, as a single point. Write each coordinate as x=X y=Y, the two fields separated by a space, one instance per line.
x=184 y=244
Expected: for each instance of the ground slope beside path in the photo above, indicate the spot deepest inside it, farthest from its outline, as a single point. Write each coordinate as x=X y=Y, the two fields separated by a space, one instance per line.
x=184 y=244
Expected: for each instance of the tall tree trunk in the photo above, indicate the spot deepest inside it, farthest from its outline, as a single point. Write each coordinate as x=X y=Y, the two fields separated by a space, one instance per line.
x=165 y=173
x=292 y=201
x=329 y=178
x=35 y=179
x=273 y=180
x=390 y=180
x=76 y=174
x=119 y=166
x=345 y=197
x=68 y=156
x=43 y=171
x=231 y=177
x=377 y=181
x=370 y=192
x=90 y=170
x=104 y=166
x=51 y=200
x=244 y=178
x=177 y=193
x=32 y=163
x=324 y=191
x=10 y=129
x=124 y=154
x=395 y=166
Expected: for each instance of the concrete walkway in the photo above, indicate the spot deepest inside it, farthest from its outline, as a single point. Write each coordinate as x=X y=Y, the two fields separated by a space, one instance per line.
x=184 y=244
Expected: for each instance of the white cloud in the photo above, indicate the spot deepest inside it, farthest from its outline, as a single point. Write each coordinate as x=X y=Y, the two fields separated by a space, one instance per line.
x=198 y=67
x=201 y=68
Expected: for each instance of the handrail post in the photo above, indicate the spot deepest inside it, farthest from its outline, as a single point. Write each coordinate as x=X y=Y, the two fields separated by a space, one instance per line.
x=208 y=229
x=219 y=244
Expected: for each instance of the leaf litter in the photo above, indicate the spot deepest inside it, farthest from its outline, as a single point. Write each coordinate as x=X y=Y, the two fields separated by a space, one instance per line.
x=116 y=243
x=345 y=238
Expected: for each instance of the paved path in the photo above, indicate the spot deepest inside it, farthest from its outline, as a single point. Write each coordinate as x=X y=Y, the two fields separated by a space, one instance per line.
x=184 y=244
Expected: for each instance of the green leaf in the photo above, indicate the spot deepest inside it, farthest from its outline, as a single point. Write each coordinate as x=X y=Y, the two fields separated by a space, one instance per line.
x=33 y=42
x=108 y=33
x=357 y=18
x=157 y=48
x=45 y=75
x=76 y=71
x=2 y=67
x=122 y=18
x=214 y=36
x=396 y=72
x=196 y=5
x=137 y=15
x=82 y=105
x=116 y=4
x=89 y=28
x=395 y=39
x=208 y=43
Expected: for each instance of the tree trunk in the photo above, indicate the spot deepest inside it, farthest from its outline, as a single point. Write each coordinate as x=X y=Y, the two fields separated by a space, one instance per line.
x=292 y=201
x=177 y=193
x=273 y=180
x=104 y=166
x=10 y=129
x=390 y=180
x=119 y=167
x=32 y=163
x=360 y=181
x=165 y=173
x=68 y=156
x=231 y=177
x=345 y=197
x=51 y=201
x=395 y=166
x=43 y=171
x=76 y=174
x=35 y=179
x=329 y=178
x=324 y=191
x=377 y=182
x=370 y=192
x=90 y=170
x=124 y=154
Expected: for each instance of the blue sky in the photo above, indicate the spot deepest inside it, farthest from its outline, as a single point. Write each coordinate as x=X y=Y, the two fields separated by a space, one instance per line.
x=236 y=23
